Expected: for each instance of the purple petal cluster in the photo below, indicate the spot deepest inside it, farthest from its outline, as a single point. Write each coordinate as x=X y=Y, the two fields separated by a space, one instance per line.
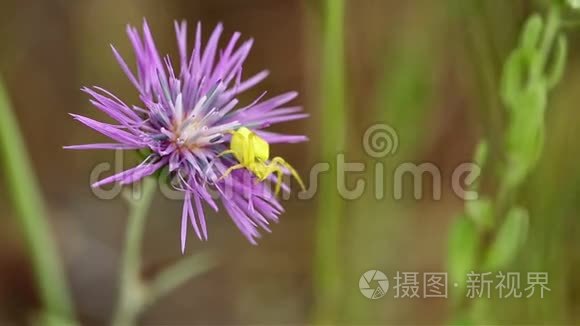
x=184 y=119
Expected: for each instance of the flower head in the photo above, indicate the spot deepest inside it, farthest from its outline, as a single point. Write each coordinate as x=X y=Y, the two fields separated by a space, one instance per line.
x=186 y=119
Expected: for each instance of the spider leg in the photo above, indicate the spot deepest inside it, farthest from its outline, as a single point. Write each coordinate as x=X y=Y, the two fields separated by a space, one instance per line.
x=280 y=161
x=230 y=170
x=212 y=162
x=279 y=175
x=271 y=168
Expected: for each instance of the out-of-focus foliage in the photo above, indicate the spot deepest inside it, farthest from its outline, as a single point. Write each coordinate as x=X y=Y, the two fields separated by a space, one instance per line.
x=532 y=69
x=509 y=241
x=575 y=4
x=29 y=205
x=525 y=85
x=464 y=246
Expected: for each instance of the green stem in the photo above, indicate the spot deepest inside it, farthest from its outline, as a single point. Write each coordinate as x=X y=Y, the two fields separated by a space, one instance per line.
x=132 y=290
x=333 y=129
x=29 y=206
x=135 y=294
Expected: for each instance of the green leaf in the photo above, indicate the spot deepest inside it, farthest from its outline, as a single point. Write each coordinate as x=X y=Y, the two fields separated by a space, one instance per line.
x=481 y=213
x=525 y=133
x=513 y=78
x=463 y=248
x=559 y=64
x=530 y=38
x=509 y=240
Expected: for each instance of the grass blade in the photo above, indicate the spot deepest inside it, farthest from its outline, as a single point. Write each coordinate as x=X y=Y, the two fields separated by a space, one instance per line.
x=333 y=129
x=28 y=203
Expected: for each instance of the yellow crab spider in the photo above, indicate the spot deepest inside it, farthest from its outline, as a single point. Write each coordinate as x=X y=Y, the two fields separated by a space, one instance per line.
x=253 y=153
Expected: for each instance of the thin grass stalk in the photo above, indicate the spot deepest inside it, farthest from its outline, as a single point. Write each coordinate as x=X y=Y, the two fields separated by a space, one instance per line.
x=333 y=134
x=30 y=209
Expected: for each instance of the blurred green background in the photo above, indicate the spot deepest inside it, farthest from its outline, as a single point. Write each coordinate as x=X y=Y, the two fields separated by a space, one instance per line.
x=428 y=68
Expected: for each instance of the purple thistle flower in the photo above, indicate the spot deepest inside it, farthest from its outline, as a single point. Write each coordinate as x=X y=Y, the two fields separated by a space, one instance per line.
x=185 y=120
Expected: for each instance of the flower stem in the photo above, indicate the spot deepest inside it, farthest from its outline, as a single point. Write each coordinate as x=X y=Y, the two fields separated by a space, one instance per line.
x=28 y=202
x=131 y=296
x=327 y=259
x=135 y=295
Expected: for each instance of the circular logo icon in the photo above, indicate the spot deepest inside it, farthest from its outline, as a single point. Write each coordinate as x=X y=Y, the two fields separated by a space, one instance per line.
x=380 y=141
x=373 y=284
